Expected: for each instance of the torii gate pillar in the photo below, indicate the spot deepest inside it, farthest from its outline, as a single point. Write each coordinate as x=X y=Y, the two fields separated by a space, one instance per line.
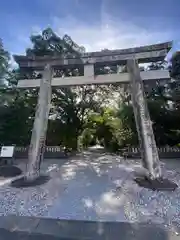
x=149 y=153
x=39 y=130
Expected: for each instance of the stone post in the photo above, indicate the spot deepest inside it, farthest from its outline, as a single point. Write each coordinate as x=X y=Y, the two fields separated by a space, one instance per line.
x=89 y=70
x=40 y=125
x=149 y=153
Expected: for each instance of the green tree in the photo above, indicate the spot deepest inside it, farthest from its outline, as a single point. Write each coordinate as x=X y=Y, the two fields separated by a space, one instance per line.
x=16 y=116
x=173 y=87
x=72 y=107
x=70 y=104
x=175 y=66
x=49 y=43
x=4 y=63
x=105 y=127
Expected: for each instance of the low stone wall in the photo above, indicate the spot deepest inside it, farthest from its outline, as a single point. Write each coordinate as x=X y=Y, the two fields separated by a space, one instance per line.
x=164 y=152
x=58 y=152
x=50 y=152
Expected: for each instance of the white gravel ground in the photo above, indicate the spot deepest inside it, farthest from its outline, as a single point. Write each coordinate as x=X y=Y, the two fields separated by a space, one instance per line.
x=85 y=188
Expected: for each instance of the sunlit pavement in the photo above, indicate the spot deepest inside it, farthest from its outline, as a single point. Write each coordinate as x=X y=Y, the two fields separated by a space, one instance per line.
x=98 y=187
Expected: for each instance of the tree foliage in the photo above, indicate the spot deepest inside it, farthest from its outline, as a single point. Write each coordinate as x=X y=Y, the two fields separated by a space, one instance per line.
x=175 y=66
x=4 y=63
x=49 y=43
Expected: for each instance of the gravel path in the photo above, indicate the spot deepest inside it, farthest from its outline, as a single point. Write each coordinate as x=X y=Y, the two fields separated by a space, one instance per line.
x=85 y=188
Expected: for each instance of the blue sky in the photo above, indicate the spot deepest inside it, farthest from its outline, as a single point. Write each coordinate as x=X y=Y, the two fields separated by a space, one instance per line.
x=96 y=24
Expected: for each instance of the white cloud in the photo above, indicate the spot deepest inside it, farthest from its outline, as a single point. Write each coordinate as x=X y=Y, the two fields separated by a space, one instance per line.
x=12 y=63
x=36 y=30
x=109 y=34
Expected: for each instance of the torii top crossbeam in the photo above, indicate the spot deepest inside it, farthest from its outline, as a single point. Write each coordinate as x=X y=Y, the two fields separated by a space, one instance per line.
x=144 y=54
x=90 y=60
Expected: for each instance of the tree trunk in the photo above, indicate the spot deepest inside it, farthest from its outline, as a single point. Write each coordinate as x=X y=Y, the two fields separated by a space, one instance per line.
x=149 y=153
x=38 y=137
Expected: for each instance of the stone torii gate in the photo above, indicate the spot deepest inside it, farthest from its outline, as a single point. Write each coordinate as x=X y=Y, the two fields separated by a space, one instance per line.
x=51 y=69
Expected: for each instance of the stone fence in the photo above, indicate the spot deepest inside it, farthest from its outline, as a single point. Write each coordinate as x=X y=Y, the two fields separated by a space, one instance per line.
x=50 y=152
x=164 y=152
x=58 y=152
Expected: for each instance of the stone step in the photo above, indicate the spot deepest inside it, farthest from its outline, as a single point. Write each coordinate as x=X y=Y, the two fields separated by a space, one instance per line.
x=18 y=227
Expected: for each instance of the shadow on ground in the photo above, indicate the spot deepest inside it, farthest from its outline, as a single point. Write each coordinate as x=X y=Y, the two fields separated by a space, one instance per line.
x=23 y=182
x=9 y=171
